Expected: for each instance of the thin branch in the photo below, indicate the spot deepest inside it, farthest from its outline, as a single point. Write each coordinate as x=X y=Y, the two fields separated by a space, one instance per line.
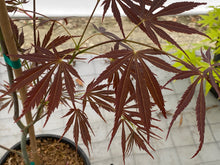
x=34 y=22
x=11 y=79
x=67 y=31
x=99 y=44
x=10 y=150
x=136 y=26
x=23 y=145
x=90 y=18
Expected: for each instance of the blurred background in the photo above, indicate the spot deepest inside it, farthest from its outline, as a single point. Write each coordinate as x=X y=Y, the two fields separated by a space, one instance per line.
x=84 y=7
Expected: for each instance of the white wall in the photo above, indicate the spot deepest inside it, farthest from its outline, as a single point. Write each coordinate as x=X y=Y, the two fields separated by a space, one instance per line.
x=84 y=7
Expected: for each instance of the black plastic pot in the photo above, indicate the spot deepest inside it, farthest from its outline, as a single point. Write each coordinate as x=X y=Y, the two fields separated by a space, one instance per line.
x=45 y=136
x=212 y=90
x=214 y=93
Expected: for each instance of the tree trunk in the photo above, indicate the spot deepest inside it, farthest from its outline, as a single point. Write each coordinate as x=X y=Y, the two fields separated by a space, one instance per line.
x=12 y=49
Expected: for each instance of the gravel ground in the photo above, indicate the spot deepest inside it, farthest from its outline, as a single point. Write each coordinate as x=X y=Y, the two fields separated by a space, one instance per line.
x=76 y=25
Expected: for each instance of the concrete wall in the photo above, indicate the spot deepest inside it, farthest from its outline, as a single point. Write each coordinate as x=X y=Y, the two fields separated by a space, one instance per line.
x=84 y=7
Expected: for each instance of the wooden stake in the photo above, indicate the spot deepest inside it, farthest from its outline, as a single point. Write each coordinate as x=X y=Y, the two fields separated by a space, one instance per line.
x=12 y=49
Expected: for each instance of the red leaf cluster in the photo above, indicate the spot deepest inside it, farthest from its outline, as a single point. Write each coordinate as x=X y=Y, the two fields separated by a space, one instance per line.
x=145 y=14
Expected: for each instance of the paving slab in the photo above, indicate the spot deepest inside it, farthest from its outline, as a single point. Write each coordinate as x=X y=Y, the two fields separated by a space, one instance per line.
x=181 y=144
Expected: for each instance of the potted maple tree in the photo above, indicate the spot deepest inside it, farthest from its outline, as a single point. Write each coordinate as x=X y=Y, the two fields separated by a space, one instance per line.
x=128 y=87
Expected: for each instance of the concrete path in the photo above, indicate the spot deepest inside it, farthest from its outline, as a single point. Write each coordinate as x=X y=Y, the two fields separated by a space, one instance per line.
x=176 y=150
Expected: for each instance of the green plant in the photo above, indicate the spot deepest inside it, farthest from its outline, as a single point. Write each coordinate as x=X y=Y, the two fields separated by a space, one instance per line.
x=211 y=24
x=128 y=87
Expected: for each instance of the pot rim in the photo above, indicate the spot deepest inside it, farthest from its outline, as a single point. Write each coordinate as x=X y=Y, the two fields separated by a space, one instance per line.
x=80 y=151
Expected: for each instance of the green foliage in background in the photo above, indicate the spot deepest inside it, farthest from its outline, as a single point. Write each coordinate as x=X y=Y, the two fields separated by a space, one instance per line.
x=211 y=24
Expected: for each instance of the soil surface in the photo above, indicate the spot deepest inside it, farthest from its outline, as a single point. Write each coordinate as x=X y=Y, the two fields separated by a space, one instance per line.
x=51 y=152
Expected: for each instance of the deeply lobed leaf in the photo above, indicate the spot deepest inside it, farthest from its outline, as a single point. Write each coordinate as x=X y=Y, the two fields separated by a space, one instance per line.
x=200 y=116
x=177 y=8
x=184 y=102
x=81 y=126
x=52 y=72
x=134 y=83
x=147 y=19
x=130 y=135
